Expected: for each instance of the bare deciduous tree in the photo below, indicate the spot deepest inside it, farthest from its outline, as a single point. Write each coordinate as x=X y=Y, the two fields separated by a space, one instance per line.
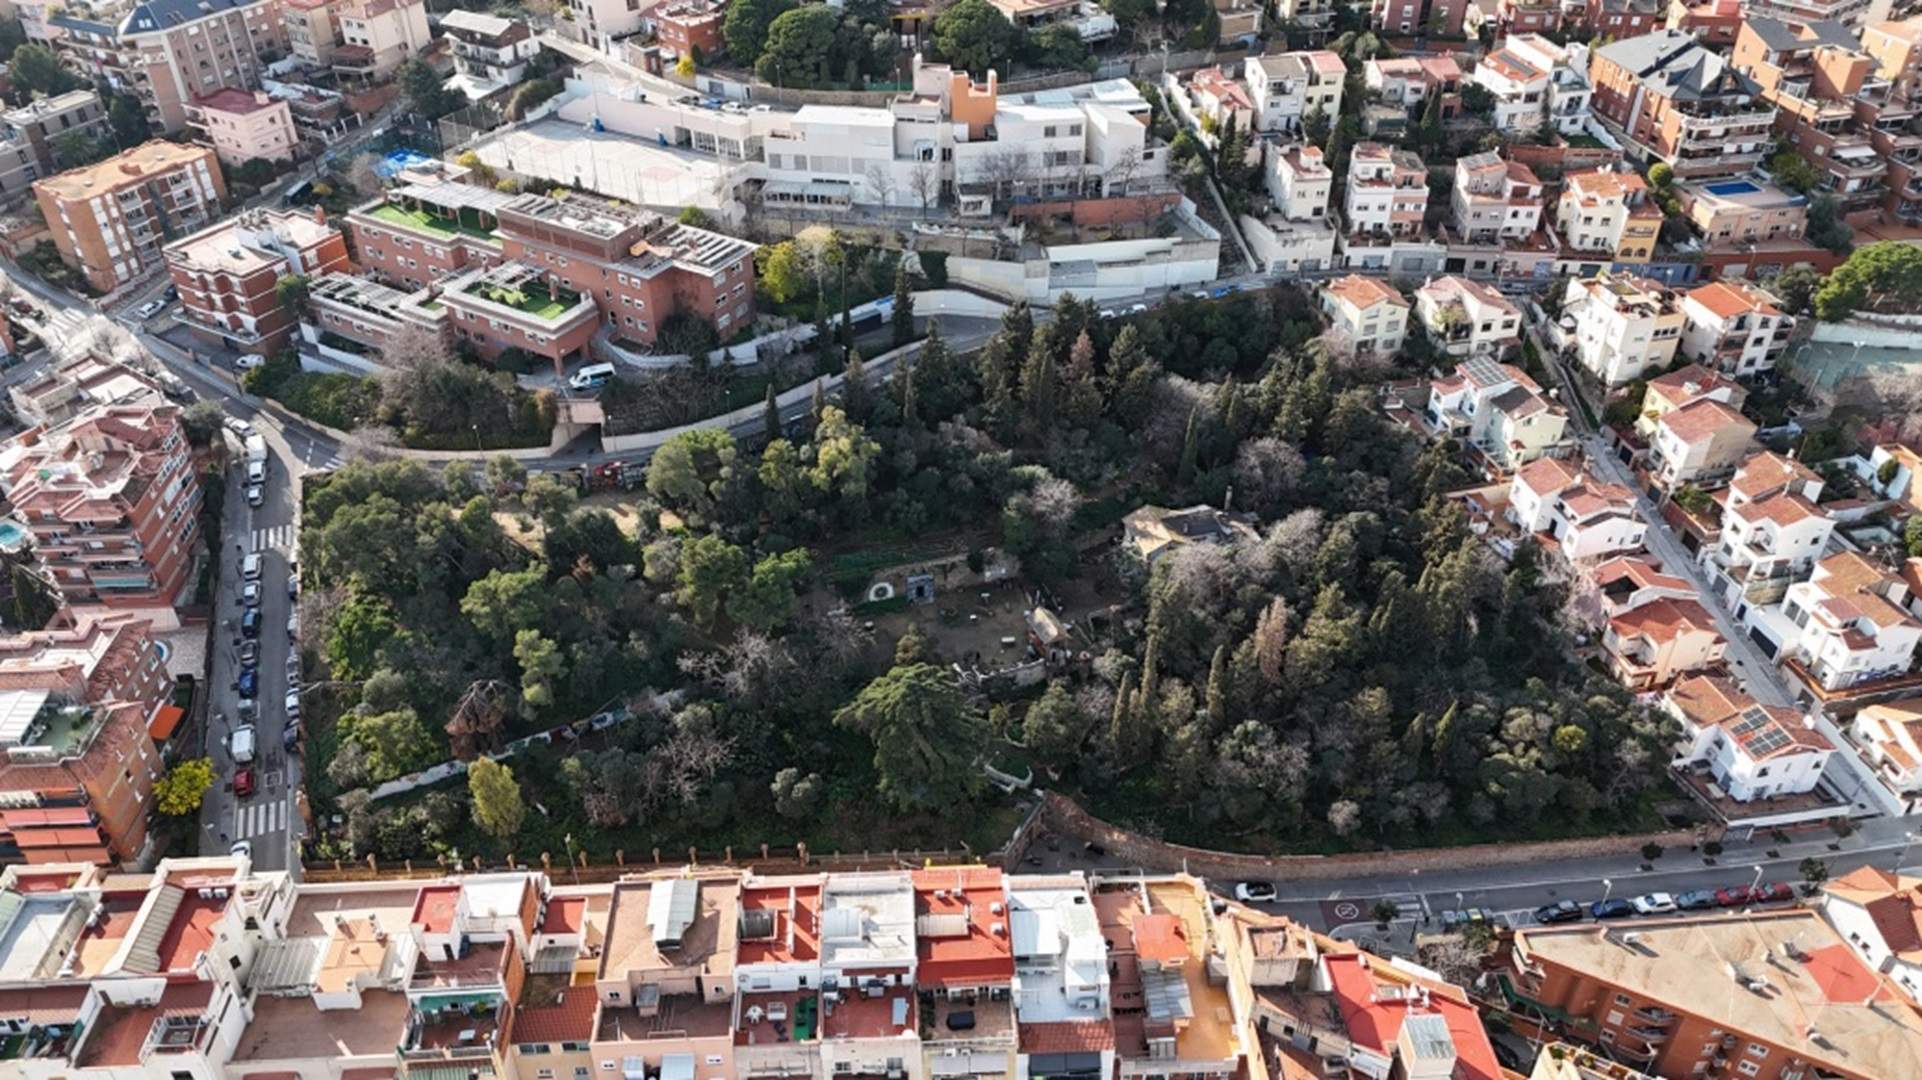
x=1121 y=175
x=925 y=181
x=411 y=347
x=880 y=180
x=1271 y=640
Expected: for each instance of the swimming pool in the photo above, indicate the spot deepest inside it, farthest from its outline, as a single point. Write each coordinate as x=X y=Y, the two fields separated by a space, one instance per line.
x=11 y=534
x=1733 y=187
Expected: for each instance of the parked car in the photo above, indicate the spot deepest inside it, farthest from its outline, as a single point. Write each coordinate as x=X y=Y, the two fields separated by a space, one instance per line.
x=1696 y=899
x=1773 y=893
x=243 y=782
x=1655 y=903
x=256 y=473
x=250 y=566
x=249 y=361
x=1455 y=920
x=255 y=495
x=242 y=849
x=249 y=653
x=290 y=738
x=249 y=682
x=250 y=593
x=149 y=309
x=1254 y=892
x=1733 y=896
x=293 y=704
x=250 y=623
x=1560 y=911
x=1611 y=909
x=238 y=426
x=293 y=587
x=1137 y=309
x=171 y=294
x=241 y=746
x=293 y=627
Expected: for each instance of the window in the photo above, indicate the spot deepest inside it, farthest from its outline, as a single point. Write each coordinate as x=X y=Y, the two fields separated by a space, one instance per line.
x=1614 y=1017
x=1757 y=1050
x=1747 y=1068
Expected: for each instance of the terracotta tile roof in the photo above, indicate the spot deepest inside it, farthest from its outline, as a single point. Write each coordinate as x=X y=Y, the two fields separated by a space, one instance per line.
x=570 y=1019
x=1365 y=292
x=1663 y=621
x=1783 y=510
x=1687 y=383
x=1638 y=570
x=1854 y=580
x=1702 y=419
x=1768 y=471
x=1762 y=731
x=565 y=915
x=1067 y=1037
x=1374 y=1019
x=1546 y=476
x=40 y=1006
x=1727 y=299
x=1604 y=184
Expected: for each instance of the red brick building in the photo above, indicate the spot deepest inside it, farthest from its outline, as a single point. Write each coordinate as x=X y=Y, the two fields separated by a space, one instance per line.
x=1528 y=16
x=76 y=759
x=1714 y=22
x=1672 y=100
x=1766 y=995
x=1618 y=19
x=690 y=28
x=227 y=274
x=111 y=501
x=421 y=233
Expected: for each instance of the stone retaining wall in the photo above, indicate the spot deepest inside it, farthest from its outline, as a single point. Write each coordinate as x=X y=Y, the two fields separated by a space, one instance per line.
x=1064 y=817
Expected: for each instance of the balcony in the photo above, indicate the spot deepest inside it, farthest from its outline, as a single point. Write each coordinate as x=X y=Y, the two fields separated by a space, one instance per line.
x=452 y=1027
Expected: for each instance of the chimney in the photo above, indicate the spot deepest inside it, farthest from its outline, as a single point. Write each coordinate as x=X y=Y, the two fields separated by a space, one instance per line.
x=320 y=214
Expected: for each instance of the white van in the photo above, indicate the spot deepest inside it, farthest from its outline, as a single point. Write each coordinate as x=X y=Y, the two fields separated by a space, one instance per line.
x=591 y=377
x=242 y=746
x=250 y=567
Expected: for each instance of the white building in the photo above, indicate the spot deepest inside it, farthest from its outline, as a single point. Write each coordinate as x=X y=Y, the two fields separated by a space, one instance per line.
x=1519 y=87
x=1566 y=93
x=1880 y=914
x=1623 y=326
x=1734 y=327
x=1700 y=443
x=1848 y=625
x=1586 y=517
x=1467 y=318
x=1673 y=389
x=1367 y=312
x=1772 y=529
x=1890 y=736
x=1499 y=410
x=1286 y=87
x=1495 y=201
x=1060 y=976
x=1753 y=751
x=1299 y=182
x=1387 y=192
x=1608 y=215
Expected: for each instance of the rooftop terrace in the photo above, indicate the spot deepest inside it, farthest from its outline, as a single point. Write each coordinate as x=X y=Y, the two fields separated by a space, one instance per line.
x=290 y=1028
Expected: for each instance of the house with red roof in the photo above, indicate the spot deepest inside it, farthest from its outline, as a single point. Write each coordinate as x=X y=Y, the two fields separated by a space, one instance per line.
x=1652 y=645
x=1890 y=736
x=1845 y=631
x=1734 y=327
x=1701 y=443
x=1568 y=508
x=1772 y=529
x=1880 y=913
x=1752 y=751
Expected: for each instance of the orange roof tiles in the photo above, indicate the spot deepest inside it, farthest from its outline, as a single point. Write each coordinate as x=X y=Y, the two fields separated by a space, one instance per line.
x=1664 y=620
x=1067 y=1037
x=1703 y=418
x=1638 y=571
x=1546 y=476
x=1769 y=470
x=1374 y=1019
x=1843 y=976
x=1727 y=299
x=1851 y=577
x=1602 y=184
x=1365 y=292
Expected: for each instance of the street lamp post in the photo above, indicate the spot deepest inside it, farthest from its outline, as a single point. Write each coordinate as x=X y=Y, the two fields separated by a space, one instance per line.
x=1607 y=888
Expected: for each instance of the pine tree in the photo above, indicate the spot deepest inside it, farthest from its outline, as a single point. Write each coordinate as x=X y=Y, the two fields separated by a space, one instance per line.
x=904 y=385
x=1017 y=325
x=820 y=399
x=854 y=389
x=1190 y=449
x=1217 y=693
x=1120 y=720
x=935 y=365
x=903 y=315
x=1038 y=384
x=770 y=415
x=994 y=367
x=1414 y=743
x=1151 y=665
x=1081 y=398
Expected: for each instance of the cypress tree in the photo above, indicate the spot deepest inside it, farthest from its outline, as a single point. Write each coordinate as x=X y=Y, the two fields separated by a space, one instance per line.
x=770 y=415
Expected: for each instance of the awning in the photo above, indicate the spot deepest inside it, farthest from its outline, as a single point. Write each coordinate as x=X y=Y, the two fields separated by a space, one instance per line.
x=166 y=720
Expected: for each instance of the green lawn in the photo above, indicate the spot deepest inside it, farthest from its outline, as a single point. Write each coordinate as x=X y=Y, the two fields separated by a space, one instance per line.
x=447 y=228
x=531 y=299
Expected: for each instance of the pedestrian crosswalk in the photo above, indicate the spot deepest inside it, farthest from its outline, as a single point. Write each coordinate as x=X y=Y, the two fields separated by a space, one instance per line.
x=273 y=538
x=260 y=819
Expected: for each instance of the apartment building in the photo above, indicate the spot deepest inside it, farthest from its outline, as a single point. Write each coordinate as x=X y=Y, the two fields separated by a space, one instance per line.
x=1287 y=87
x=1617 y=19
x=377 y=37
x=1535 y=83
x=242 y=125
x=1715 y=22
x=417 y=234
x=1673 y=389
x=1387 y=191
x=1367 y=312
x=1701 y=443
x=1309 y=13
x=75 y=755
x=1221 y=100
x=1892 y=113
x=1880 y=913
x=1299 y=182
x=168 y=52
x=1513 y=17
x=1585 y=518
x=1734 y=327
x=1466 y=318
x=1850 y=13
x=110 y=219
x=1610 y=215
x=1063 y=993
x=30 y=136
x=72 y=385
x=313 y=30
x=1731 y=213
x=1498 y=409
x=227 y=274
x=1442 y=18
x=1731 y=993
x=601 y=22
x=490 y=53
x=1654 y=644
x=1813 y=73
x=1495 y=201
x=1623 y=325
x=111 y=500
x=1241 y=21
x=1889 y=736
x=1170 y=1015
x=1896 y=47
x=1673 y=100
x=1747 y=750
x=689 y=27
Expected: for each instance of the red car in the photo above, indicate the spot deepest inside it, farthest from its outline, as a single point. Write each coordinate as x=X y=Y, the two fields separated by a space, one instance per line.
x=1774 y=892
x=243 y=782
x=1734 y=896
